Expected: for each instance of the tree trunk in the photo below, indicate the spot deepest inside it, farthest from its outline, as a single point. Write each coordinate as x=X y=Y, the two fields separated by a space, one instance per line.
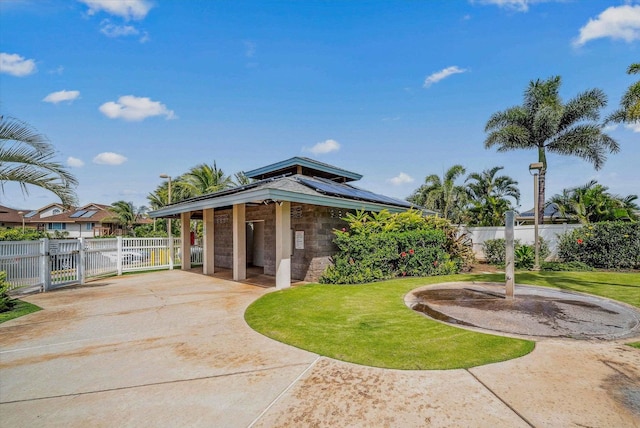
x=541 y=185
x=541 y=194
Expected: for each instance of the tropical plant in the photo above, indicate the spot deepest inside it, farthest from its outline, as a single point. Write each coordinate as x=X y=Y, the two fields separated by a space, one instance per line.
x=241 y=179
x=488 y=196
x=26 y=158
x=605 y=245
x=200 y=180
x=592 y=203
x=6 y=302
x=124 y=214
x=546 y=124
x=630 y=103
x=442 y=194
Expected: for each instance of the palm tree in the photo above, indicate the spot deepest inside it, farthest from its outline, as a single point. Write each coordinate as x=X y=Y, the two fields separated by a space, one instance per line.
x=241 y=179
x=442 y=195
x=124 y=214
x=26 y=157
x=200 y=180
x=592 y=203
x=489 y=195
x=630 y=103
x=545 y=124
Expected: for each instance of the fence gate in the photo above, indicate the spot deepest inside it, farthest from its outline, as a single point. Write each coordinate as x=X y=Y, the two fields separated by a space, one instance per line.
x=64 y=262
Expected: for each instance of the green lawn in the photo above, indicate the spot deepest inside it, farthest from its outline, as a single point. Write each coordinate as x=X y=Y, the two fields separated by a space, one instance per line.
x=370 y=324
x=21 y=308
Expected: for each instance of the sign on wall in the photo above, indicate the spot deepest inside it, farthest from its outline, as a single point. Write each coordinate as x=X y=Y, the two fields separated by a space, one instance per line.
x=299 y=239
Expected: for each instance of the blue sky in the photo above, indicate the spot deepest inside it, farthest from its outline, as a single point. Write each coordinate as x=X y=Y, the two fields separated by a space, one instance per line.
x=394 y=90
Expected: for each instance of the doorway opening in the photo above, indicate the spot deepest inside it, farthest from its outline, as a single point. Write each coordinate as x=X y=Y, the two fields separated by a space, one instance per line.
x=255 y=245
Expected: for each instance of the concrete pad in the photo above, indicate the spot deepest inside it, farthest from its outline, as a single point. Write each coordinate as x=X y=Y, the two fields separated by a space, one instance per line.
x=570 y=383
x=339 y=394
x=172 y=349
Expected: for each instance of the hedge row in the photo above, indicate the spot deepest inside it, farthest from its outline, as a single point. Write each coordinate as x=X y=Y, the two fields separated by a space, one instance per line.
x=606 y=245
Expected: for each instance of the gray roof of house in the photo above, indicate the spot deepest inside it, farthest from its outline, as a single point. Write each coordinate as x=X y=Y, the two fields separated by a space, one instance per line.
x=306 y=166
x=294 y=188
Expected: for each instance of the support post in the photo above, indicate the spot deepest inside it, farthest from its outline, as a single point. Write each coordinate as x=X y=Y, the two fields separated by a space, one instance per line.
x=45 y=266
x=283 y=245
x=185 y=244
x=239 y=243
x=82 y=257
x=119 y=255
x=509 y=255
x=208 y=244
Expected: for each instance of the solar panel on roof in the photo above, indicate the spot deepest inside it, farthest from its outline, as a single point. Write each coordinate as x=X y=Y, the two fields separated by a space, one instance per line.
x=77 y=214
x=31 y=214
x=88 y=214
x=337 y=189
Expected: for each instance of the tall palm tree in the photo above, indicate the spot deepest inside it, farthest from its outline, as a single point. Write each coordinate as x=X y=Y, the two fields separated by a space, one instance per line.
x=630 y=103
x=26 y=157
x=442 y=195
x=545 y=124
x=488 y=195
x=200 y=180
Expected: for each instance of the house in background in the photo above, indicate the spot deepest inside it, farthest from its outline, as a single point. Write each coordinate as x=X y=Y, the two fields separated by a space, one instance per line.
x=282 y=224
x=88 y=221
x=551 y=216
x=10 y=217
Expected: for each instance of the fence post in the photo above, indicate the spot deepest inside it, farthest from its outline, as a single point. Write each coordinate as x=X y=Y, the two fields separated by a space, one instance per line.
x=119 y=252
x=45 y=269
x=81 y=261
x=171 y=253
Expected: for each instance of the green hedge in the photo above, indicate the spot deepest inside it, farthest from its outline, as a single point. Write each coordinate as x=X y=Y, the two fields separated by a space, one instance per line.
x=382 y=246
x=495 y=252
x=6 y=303
x=606 y=245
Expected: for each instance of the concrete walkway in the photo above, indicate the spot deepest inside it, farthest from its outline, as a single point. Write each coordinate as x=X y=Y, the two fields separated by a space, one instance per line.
x=172 y=349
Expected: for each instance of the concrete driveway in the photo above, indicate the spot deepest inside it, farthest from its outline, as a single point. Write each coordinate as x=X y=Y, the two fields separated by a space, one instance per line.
x=172 y=349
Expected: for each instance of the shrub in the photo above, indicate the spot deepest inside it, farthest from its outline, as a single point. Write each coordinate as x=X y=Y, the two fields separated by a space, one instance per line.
x=495 y=252
x=383 y=245
x=606 y=245
x=6 y=303
x=16 y=234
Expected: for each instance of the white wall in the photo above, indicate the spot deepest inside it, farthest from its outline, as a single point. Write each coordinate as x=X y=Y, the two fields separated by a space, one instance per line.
x=526 y=234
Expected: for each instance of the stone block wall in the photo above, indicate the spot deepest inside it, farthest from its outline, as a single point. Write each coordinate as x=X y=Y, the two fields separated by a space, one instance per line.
x=317 y=223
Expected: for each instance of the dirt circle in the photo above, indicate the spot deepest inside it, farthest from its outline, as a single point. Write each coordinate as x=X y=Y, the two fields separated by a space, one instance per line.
x=534 y=311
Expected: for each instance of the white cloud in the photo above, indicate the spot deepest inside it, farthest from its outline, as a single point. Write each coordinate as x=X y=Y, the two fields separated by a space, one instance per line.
x=401 y=178
x=71 y=161
x=59 y=70
x=109 y=158
x=442 y=74
x=635 y=126
x=327 y=146
x=616 y=22
x=113 y=30
x=16 y=65
x=517 y=5
x=56 y=97
x=127 y=9
x=131 y=108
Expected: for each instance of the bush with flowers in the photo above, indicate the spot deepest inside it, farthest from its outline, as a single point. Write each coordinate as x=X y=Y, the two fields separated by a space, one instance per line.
x=376 y=246
x=606 y=245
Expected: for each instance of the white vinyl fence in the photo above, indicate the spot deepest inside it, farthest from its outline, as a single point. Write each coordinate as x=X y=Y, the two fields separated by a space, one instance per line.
x=50 y=263
x=526 y=234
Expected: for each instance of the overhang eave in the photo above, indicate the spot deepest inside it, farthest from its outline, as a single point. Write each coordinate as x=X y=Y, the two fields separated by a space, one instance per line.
x=262 y=195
